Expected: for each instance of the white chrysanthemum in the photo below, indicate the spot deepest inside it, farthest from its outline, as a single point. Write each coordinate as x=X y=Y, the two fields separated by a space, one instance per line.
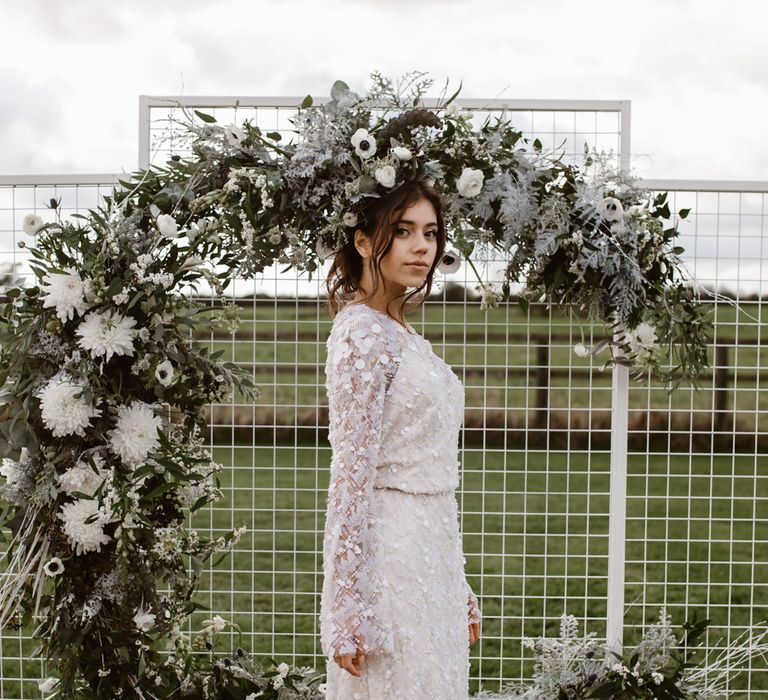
x=470 y=182
x=31 y=224
x=82 y=478
x=144 y=621
x=166 y=224
x=386 y=175
x=64 y=292
x=164 y=373
x=107 y=333
x=84 y=537
x=135 y=436
x=62 y=413
x=54 y=567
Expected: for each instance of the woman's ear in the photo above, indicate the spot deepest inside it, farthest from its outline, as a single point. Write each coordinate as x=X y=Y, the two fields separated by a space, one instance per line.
x=362 y=243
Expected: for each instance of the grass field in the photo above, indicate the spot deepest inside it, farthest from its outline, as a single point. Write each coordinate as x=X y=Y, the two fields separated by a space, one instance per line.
x=534 y=521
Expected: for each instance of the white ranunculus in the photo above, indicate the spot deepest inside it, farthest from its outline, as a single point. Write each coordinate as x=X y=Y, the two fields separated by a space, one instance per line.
x=350 y=219
x=234 y=135
x=135 y=436
x=84 y=537
x=31 y=224
x=107 y=333
x=164 y=373
x=54 y=567
x=610 y=209
x=283 y=669
x=167 y=225
x=364 y=143
x=143 y=620
x=47 y=685
x=62 y=413
x=65 y=293
x=402 y=153
x=450 y=263
x=470 y=182
x=386 y=175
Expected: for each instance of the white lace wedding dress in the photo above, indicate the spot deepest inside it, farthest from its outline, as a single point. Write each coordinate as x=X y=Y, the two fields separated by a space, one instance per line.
x=393 y=563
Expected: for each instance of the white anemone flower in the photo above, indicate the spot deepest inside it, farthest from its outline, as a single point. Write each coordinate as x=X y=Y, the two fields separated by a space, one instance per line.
x=450 y=263
x=84 y=537
x=135 y=436
x=62 y=413
x=107 y=333
x=364 y=143
x=54 y=567
x=349 y=219
x=65 y=292
x=611 y=209
x=234 y=135
x=164 y=373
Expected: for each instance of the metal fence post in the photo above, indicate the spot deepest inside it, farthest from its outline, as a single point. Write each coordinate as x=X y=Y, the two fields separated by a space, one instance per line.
x=618 y=507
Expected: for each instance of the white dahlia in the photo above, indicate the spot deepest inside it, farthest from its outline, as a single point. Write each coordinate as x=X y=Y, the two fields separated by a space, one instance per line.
x=135 y=436
x=82 y=478
x=84 y=537
x=64 y=292
x=62 y=413
x=107 y=333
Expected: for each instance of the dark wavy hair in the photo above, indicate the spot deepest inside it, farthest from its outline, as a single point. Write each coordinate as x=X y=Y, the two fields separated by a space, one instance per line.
x=377 y=219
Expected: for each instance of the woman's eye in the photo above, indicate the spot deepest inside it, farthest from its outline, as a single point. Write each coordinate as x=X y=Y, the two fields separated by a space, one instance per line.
x=427 y=233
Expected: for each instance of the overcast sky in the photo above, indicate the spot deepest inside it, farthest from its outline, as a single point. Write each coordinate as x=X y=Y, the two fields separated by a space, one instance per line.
x=695 y=72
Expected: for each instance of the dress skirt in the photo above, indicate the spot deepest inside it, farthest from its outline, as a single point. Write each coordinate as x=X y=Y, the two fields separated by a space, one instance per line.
x=424 y=603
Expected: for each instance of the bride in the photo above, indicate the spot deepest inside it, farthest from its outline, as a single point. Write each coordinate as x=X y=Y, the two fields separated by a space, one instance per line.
x=397 y=615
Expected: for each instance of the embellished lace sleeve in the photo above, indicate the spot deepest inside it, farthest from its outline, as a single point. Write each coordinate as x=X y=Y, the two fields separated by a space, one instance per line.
x=360 y=366
x=473 y=609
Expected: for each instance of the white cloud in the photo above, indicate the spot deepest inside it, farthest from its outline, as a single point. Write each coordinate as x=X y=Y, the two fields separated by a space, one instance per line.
x=71 y=73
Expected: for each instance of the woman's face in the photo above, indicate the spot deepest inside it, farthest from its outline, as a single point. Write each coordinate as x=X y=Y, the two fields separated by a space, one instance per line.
x=414 y=241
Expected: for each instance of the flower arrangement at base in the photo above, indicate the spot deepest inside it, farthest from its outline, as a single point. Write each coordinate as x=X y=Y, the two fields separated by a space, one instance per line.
x=574 y=667
x=96 y=355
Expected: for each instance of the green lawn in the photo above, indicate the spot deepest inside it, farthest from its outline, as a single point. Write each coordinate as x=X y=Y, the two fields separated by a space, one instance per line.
x=534 y=520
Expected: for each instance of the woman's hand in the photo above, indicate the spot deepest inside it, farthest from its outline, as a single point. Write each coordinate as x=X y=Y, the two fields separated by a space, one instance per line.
x=350 y=663
x=474 y=632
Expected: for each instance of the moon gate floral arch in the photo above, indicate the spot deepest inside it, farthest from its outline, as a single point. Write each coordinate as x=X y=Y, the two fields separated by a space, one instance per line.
x=103 y=396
